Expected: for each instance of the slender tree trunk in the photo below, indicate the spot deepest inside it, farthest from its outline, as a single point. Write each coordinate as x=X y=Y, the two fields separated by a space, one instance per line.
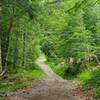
x=24 y=49
x=0 y=35
x=15 y=55
x=5 y=46
x=0 y=60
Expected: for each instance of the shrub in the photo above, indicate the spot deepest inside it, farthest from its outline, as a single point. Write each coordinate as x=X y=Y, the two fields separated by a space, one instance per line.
x=91 y=80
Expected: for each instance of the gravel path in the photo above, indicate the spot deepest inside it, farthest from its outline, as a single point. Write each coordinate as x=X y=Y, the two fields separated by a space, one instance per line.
x=51 y=88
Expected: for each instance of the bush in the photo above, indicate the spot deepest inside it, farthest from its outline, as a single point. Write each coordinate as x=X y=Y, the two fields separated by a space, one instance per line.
x=91 y=80
x=72 y=72
x=66 y=71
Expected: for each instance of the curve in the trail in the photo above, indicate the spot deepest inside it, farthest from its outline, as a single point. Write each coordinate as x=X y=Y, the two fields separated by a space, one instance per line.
x=48 y=71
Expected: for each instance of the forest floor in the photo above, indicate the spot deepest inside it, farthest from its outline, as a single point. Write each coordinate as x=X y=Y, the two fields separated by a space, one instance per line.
x=51 y=88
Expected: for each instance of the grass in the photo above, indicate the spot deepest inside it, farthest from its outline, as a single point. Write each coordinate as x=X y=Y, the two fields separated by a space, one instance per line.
x=8 y=87
x=31 y=75
x=21 y=80
x=91 y=80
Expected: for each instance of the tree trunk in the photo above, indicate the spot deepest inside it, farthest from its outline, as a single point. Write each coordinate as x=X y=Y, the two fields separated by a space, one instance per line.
x=24 y=50
x=0 y=35
x=4 y=37
x=0 y=59
x=5 y=46
x=15 y=55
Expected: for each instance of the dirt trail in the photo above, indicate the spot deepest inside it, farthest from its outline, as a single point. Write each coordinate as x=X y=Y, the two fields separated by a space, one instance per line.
x=51 y=88
x=48 y=71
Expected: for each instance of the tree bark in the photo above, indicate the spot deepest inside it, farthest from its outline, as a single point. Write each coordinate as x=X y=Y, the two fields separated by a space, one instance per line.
x=24 y=49
x=0 y=59
x=4 y=47
x=4 y=42
x=15 y=55
x=0 y=36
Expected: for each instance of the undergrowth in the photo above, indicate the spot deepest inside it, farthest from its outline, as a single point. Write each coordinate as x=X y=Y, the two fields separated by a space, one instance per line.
x=20 y=80
x=91 y=80
x=65 y=72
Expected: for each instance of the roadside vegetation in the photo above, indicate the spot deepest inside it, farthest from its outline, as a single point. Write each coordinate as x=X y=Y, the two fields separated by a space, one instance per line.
x=91 y=80
x=67 y=32
x=22 y=79
x=88 y=79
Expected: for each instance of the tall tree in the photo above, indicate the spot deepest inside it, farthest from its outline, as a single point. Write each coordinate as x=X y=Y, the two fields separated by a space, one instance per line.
x=12 y=13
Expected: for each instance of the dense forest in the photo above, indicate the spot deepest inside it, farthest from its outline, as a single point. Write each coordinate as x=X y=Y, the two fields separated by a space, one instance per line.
x=66 y=32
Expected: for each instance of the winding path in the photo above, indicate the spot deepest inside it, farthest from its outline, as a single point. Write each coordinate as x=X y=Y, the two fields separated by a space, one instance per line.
x=48 y=71
x=51 y=88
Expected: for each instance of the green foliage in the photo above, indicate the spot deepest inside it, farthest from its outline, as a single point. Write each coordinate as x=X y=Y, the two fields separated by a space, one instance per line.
x=66 y=31
x=85 y=76
x=19 y=33
x=32 y=74
x=71 y=39
x=71 y=31
x=91 y=80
